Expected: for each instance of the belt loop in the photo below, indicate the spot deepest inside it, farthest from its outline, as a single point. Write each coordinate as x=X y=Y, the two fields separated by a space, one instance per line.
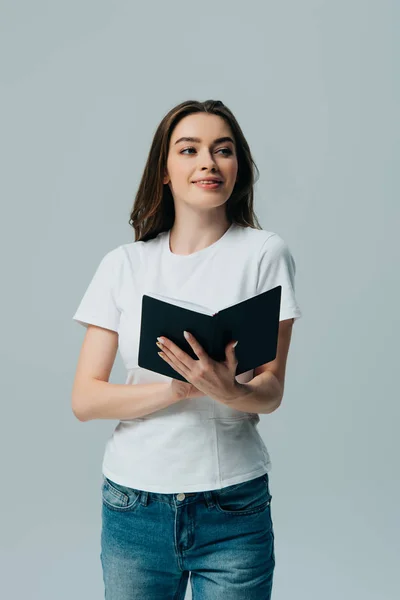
x=144 y=497
x=209 y=499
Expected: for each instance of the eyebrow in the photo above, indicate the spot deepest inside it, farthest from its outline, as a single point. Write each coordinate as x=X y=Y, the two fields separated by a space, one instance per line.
x=198 y=140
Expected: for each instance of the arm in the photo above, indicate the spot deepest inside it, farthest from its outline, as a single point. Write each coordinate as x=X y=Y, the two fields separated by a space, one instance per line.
x=263 y=394
x=93 y=397
x=103 y=400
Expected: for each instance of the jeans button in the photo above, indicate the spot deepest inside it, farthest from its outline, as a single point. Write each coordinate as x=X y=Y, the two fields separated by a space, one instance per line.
x=181 y=496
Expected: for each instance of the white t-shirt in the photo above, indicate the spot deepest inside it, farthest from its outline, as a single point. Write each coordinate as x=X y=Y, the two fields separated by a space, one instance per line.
x=197 y=444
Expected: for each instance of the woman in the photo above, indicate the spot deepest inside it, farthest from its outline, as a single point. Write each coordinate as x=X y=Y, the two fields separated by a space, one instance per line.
x=185 y=485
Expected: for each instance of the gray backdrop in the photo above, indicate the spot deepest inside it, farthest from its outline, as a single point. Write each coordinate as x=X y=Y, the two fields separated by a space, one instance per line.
x=312 y=83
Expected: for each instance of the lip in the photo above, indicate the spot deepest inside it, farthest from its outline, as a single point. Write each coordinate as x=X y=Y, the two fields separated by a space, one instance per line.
x=216 y=179
x=209 y=186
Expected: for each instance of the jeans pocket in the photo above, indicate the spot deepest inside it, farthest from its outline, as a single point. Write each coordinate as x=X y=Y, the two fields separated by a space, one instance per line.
x=245 y=498
x=118 y=497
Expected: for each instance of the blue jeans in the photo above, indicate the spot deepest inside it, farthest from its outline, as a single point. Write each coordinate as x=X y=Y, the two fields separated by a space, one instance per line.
x=224 y=538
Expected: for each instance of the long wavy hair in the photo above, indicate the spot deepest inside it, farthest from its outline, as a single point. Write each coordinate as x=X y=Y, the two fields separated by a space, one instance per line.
x=153 y=210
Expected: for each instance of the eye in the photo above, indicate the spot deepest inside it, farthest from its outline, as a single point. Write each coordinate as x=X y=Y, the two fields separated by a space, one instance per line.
x=227 y=150
x=182 y=151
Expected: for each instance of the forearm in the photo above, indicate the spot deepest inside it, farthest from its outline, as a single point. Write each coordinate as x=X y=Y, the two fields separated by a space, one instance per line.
x=263 y=394
x=104 y=400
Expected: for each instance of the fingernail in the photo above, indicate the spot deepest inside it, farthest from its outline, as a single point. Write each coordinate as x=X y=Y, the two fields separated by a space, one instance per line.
x=185 y=333
x=235 y=344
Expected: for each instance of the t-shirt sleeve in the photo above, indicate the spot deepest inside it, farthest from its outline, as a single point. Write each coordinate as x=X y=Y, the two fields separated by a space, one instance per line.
x=277 y=267
x=99 y=305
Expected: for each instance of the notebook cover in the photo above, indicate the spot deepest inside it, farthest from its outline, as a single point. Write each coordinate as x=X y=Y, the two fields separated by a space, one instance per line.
x=254 y=322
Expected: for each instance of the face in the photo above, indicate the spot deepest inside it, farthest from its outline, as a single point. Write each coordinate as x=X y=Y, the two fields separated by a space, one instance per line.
x=193 y=160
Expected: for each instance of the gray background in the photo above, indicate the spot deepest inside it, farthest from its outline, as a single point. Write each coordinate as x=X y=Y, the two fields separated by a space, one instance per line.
x=312 y=83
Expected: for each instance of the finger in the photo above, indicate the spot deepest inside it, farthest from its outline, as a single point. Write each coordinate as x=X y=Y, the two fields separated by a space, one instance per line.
x=170 y=362
x=183 y=358
x=196 y=346
x=174 y=361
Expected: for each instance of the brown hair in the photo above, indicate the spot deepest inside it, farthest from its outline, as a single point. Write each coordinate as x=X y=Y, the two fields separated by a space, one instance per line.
x=153 y=209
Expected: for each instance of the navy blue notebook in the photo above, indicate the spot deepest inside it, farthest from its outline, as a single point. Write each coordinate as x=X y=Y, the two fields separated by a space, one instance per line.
x=253 y=322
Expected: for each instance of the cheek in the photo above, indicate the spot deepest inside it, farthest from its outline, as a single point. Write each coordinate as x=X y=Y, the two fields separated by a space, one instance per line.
x=179 y=173
x=230 y=165
x=231 y=169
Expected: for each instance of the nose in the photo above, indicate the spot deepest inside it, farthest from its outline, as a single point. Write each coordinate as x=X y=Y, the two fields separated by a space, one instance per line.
x=207 y=160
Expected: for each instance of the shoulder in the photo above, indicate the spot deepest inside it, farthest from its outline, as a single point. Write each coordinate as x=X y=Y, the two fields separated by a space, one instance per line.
x=110 y=265
x=126 y=257
x=258 y=237
x=272 y=241
x=124 y=253
x=110 y=262
x=265 y=244
x=142 y=249
x=274 y=247
x=275 y=257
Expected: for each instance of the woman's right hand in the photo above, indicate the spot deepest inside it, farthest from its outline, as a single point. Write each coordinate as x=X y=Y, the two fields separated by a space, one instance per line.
x=180 y=390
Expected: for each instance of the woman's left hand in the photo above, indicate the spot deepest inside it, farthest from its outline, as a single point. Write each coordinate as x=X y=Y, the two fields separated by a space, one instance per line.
x=214 y=379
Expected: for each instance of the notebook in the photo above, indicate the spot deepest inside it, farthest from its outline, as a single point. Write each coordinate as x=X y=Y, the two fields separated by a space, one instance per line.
x=254 y=322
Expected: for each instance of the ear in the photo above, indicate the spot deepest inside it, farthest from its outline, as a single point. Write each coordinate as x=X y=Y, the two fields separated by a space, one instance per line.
x=166 y=178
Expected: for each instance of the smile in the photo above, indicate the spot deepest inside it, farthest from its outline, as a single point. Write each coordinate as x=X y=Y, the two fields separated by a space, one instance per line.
x=208 y=184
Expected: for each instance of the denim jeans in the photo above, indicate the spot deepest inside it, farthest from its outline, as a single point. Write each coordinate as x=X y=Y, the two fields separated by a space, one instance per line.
x=224 y=538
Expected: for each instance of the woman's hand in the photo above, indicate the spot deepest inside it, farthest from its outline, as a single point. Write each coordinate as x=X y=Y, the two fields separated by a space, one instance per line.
x=206 y=376
x=181 y=390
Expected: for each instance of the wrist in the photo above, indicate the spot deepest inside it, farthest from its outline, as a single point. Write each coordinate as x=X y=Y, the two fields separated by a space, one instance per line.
x=175 y=391
x=238 y=392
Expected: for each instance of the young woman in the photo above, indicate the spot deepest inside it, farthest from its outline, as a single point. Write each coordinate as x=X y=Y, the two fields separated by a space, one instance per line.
x=185 y=486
